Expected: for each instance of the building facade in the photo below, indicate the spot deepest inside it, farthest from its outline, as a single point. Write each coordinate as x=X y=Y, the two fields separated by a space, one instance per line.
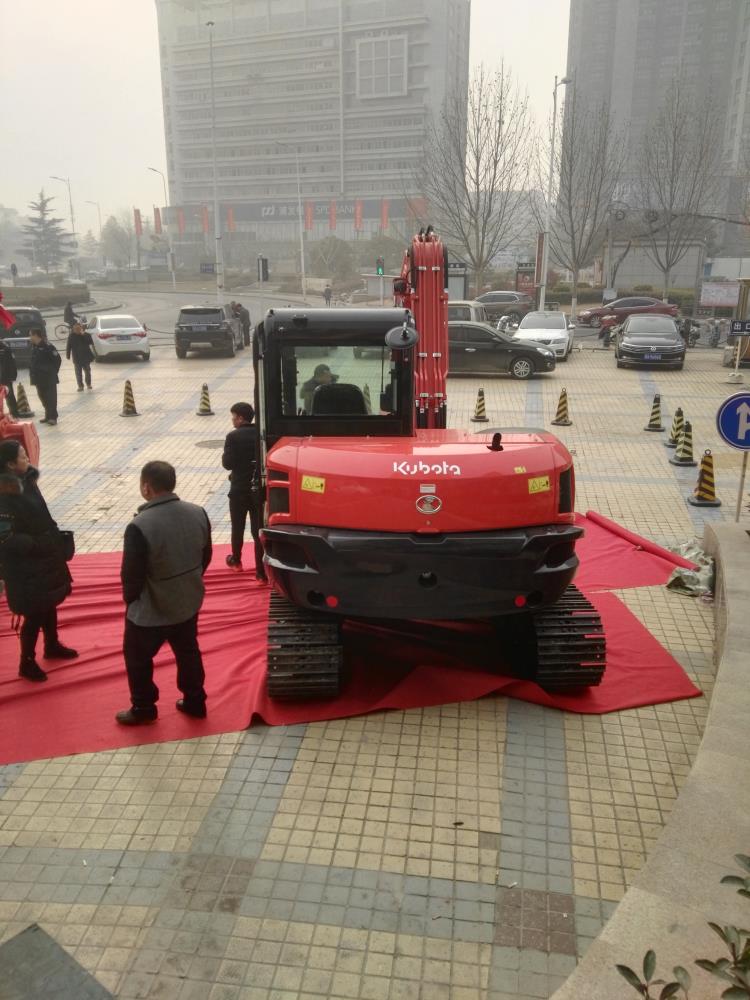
x=325 y=99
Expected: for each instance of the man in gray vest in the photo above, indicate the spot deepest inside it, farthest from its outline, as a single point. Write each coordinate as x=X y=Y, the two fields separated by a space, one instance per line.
x=166 y=551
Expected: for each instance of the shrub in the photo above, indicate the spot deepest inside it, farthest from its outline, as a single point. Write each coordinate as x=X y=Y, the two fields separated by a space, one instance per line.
x=45 y=298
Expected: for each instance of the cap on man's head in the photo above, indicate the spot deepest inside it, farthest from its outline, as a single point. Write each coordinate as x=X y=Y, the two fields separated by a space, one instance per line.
x=321 y=370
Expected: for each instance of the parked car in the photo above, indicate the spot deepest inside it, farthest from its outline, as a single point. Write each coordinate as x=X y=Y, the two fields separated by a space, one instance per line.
x=622 y=308
x=207 y=328
x=553 y=329
x=28 y=318
x=467 y=309
x=649 y=340
x=118 y=335
x=475 y=348
x=514 y=305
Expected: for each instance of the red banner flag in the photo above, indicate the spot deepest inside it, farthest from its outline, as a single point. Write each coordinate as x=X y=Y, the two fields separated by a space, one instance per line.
x=384 y=206
x=309 y=214
x=204 y=218
x=231 y=227
x=332 y=215
x=358 y=214
x=181 y=221
x=157 y=221
x=137 y=221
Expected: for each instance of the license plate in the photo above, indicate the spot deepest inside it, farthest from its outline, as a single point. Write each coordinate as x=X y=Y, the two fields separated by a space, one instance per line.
x=652 y=357
x=201 y=343
x=123 y=338
x=200 y=329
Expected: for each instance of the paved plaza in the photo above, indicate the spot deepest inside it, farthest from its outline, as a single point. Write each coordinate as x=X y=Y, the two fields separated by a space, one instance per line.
x=470 y=851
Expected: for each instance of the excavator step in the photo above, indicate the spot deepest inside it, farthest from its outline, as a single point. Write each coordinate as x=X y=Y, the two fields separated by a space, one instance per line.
x=305 y=655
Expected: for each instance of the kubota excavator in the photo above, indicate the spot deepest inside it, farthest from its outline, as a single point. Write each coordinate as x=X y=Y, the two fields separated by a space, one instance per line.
x=376 y=510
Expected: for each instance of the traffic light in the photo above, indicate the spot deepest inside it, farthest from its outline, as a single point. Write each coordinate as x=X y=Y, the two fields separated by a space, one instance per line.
x=262 y=268
x=380 y=266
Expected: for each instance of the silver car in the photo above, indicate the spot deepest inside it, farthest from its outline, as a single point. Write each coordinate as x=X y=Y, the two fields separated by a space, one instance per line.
x=553 y=329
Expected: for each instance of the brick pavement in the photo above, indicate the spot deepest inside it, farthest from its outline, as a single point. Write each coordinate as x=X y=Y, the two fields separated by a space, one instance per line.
x=466 y=851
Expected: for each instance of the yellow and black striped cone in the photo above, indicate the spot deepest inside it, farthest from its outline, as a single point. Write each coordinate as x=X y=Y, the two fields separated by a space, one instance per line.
x=704 y=494
x=366 y=394
x=654 y=423
x=678 y=422
x=204 y=407
x=684 y=453
x=480 y=414
x=562 y=417
x=22 y=402
x=128 y=402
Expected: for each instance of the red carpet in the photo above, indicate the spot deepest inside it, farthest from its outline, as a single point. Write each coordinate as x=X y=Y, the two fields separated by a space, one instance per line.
x=73 y=712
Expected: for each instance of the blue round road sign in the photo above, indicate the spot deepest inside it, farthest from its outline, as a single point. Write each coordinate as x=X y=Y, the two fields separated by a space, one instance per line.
x=733 y=420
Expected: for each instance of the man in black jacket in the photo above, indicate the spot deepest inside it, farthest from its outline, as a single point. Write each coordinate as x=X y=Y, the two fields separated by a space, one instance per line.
x=8 y=375
x=240 y=451
x=81 y=346
x=243 y=315
x=43 y=369
x=166 y=551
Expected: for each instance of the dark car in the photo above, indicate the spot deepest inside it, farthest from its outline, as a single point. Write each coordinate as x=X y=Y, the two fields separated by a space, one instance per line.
x=649 y=340
x=514 y=305
x=632 y=305
x=207 y=328
x=475 y=348
x=28 y=318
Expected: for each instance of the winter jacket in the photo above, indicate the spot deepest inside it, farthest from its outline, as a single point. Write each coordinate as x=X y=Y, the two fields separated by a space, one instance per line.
x=81 y=346
x=45 y=364
x=239 y=458
x=8 y=369
x=69 y=315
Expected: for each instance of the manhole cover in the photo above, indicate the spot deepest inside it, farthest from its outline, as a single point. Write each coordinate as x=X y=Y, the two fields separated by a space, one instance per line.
x=212 y=443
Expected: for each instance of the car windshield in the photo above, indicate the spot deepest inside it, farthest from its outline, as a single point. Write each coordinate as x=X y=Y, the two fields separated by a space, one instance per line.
x=647 y=326
x=207 y=315
x=27 y=315
x=119 y=323
x=543 y=321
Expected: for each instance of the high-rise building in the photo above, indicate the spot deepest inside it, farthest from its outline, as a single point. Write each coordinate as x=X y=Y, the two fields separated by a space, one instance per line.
x=333 y=95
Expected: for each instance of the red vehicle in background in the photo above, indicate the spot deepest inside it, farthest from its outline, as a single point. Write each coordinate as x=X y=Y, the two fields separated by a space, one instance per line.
x=632 y=305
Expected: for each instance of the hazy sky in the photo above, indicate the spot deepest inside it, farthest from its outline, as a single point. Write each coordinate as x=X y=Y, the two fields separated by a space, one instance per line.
x=81 y=93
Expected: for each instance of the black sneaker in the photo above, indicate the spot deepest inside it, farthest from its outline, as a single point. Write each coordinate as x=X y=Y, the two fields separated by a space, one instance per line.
x=137 y=716
x=80 y=388
x=195 y=711
x=56 y=651
x=31 y=671
x=234 y=563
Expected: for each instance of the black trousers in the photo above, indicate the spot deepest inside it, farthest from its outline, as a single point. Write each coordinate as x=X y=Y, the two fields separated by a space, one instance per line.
x=10 y=396
x=43 y=621
x=140 y=646
x=47 y=391
x=81 y=369
x=240 y=505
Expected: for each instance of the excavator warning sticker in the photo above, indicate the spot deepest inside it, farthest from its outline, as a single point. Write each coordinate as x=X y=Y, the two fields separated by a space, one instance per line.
x=538 y=484
x=519 y=469
x=313 y=484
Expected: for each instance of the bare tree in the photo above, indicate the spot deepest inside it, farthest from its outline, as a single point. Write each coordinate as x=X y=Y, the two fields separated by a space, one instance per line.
x=476 y=167
x=587 y=166
x=678 y=166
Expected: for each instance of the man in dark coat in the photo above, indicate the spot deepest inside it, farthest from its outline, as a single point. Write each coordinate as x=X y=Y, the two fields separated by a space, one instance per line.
x=166 y=551
x=8 y=375
x=81 y=347
x=244 y=317
x=69 y=315
x=239 y=457
x=43 y=369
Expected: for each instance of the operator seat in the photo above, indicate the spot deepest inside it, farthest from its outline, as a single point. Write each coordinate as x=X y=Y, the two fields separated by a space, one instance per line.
x=338 y=398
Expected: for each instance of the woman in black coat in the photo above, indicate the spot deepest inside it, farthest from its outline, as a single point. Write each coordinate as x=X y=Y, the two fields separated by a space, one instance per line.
x=32 y=562
x=43 y=368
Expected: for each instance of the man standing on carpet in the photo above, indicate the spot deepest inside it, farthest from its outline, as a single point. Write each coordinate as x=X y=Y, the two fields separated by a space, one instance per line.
x=239 y=457
x=166 y=551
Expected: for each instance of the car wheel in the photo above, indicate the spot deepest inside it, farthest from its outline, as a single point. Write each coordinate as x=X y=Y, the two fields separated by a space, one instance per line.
x=146 y=355
x=619 y=363
x=564 y=357
x=181 y=353
x=230 y=349
x=521 y=368
x=596 y=322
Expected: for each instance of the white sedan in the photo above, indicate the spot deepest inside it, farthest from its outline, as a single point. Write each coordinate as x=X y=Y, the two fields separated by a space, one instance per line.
x=113 y=335
x=552 y=329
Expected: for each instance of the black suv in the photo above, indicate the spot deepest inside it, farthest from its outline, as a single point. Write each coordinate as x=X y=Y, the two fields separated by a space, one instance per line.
x=28 y=318
x=514 y=305
x=209 y=328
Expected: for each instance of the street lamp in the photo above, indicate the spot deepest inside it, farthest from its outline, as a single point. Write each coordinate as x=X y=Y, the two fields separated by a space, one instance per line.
x=169 y=228
x=66 y=180
x=219 y=260
x=283 y=145
x=548 y=213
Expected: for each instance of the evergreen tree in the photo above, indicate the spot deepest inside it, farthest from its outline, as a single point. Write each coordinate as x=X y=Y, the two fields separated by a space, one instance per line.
x=116 y=242
x=90 y=245
x=46 y=241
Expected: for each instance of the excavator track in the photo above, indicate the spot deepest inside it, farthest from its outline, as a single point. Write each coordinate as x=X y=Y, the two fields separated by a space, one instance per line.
x=305 y=655
x=562 y=647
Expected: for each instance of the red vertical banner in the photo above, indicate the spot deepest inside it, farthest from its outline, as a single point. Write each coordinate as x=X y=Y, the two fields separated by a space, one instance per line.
x=181 y=221
x=204 y=218
x=157 y=221
x=137 y=222
x=231 y=227
x=384 y=206
x=358 y=214
x=332 y=214
x=309 y=214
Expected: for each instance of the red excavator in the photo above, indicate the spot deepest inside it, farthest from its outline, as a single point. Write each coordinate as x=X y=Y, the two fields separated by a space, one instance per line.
x=377 y=511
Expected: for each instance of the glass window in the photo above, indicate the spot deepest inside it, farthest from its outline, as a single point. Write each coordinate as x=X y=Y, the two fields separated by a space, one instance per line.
x=120 y=323
x=381 y=66
x=542 y=321
x=459 y=312
x=478 y=335
x=351 y=380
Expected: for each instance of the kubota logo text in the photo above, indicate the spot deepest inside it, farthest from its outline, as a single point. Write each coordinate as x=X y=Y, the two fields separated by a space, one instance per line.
x=423 y=469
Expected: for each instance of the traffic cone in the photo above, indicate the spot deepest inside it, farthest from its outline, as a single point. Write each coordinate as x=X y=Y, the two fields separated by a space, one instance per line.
x=204 y=407
x=654 y=423
x=128 y=403
x=366 y=394
x=22 y=402
x=704 y=494
x=684 y=453
x=562 y=417
x=678 y=423
x=480 y=415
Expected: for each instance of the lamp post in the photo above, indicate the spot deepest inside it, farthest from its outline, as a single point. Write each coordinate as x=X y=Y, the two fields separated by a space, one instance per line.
x=99 y=214
x=219 y=257
x=300 y=220
x=169 y=227
x=548 y=213
x=66 y=180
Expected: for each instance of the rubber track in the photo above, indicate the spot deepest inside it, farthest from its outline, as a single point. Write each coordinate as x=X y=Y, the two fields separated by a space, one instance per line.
x=570 y=644
x=305 y=655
